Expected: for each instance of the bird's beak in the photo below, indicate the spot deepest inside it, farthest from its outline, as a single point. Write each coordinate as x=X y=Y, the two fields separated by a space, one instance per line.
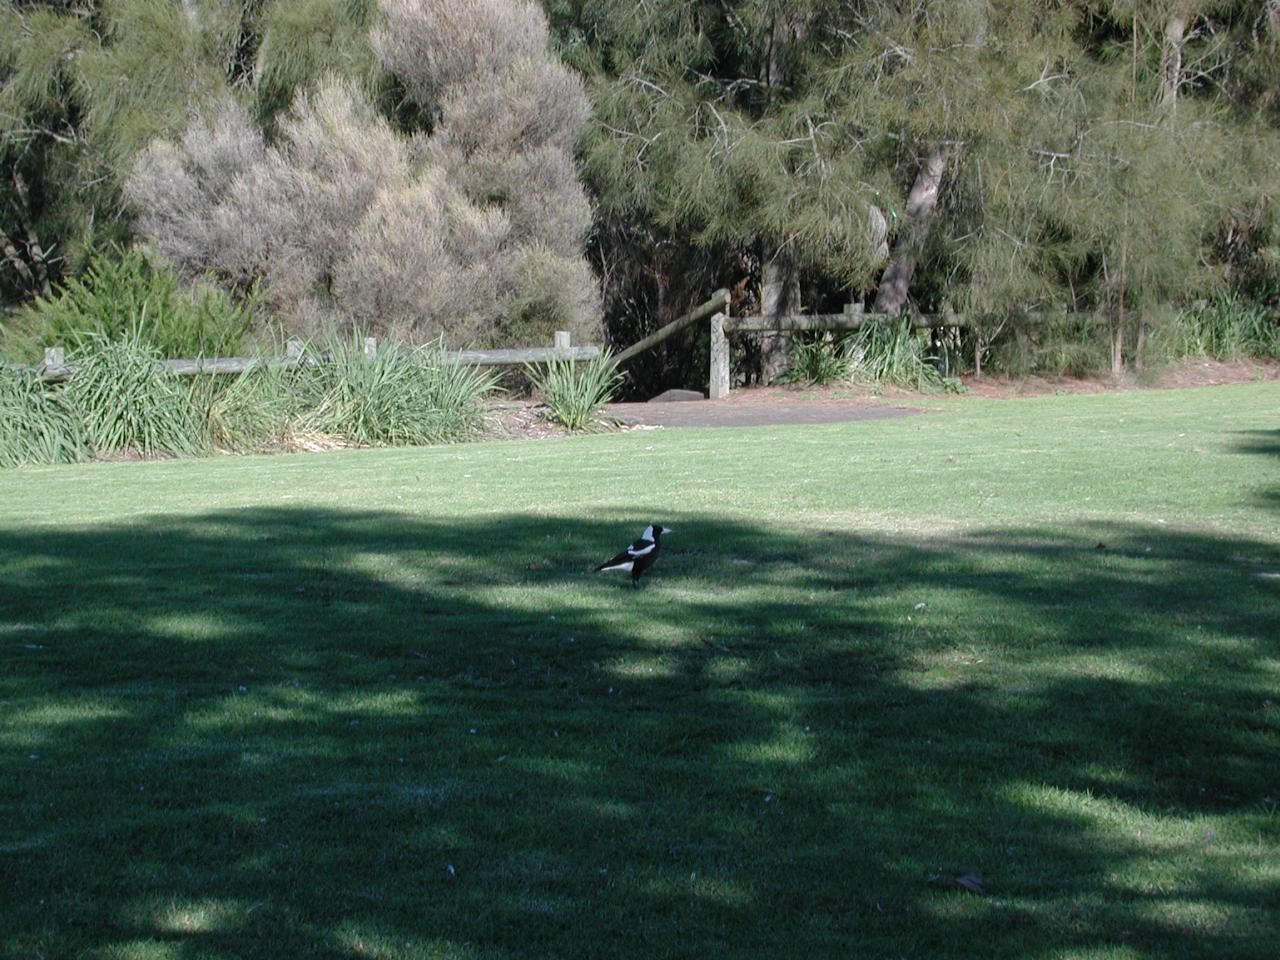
x=667 y=530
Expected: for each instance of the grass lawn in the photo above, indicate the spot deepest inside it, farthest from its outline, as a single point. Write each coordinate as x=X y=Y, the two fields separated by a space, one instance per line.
x=371 y=704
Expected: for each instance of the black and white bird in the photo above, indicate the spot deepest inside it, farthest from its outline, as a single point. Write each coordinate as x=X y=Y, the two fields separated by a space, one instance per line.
x=638 y=557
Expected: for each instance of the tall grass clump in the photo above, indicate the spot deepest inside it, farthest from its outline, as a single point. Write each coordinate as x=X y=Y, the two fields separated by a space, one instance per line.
x=1054 y=345
x=396 y=395
x=894 y=353
x=37 y=422
x=820 y=362
x=123 y=290
x=253 y=411
x=130 y=404
x=574 y=391
x=1229 y=328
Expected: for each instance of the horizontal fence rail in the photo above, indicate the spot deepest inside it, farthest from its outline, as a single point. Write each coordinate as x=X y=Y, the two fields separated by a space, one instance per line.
x=788 y=322
x=55 y=367
x=853 y=318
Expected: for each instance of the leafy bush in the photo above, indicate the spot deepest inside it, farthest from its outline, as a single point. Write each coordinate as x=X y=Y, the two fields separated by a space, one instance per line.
x=1228 y=328
x=127 y=290
x=253 y=411
x=894 y=353
x=37 y=422
x=819 y=362
x=398 y=395
x=128 y=403
x=575 y=391
x=1055 y=345
x=473 y=230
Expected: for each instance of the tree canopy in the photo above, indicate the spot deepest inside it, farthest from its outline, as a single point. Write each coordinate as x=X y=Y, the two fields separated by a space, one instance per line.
x=990 y=155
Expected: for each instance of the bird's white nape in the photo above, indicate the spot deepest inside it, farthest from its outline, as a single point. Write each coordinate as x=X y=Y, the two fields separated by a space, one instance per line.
x=648 y=533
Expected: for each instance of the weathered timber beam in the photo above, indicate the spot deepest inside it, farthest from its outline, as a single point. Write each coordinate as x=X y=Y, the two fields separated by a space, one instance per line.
x=495 y=358
x=190 y=368
x=719 y=301
x=55 y=372
x=835 y=321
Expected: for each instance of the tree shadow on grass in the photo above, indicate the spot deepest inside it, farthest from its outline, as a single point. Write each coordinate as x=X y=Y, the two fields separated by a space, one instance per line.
x=290 y=732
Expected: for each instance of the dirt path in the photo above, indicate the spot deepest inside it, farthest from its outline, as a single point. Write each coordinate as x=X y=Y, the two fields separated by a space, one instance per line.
x=754 y=412
x=780 y=406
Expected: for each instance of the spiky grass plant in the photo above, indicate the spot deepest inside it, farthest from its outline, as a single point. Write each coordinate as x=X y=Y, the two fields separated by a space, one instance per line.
x=129 y=403
x=1229 y=328
x=574 y=391
x=894 y=353
x=37 y=423
x=820 y=362
x=395 y=395
x=251 y=412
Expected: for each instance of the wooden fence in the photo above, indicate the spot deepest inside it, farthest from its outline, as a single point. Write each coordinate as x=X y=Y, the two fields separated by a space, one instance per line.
x=852 y=319
x=56 y=368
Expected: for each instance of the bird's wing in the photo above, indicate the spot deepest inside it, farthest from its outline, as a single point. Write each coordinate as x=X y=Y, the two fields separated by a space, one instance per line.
x=640 y=548
x=624 y=557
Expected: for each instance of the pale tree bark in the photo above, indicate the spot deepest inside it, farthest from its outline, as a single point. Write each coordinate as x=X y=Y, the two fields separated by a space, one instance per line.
x=1117 y=330
x=922 y=201
x=922 y=204
x=779 y=294
x=1175 y=35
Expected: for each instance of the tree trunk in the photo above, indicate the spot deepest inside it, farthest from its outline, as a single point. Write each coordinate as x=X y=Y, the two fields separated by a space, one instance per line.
x=1175 y=34
x=1117 y=346
x=1117 y=330
x=779 y=273
x=38 y=268
x=922 y=203
x=14 y=257
x=779 y=294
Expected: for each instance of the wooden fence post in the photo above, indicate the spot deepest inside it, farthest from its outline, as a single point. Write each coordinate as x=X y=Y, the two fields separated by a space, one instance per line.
x=719 y=359
x=54 y=357
x=370 y=346
x=293 y=350
x=561 y=341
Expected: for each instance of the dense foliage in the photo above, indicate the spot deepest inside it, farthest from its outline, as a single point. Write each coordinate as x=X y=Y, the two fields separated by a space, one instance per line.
x=468 y=225
x=993 y=156
x=409 y=164
x=124 y=290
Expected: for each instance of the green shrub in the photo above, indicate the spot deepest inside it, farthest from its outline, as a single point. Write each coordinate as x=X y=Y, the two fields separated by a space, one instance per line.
x=396 y=396
x=253 y=411
x=128 y=403
x=1055 y=345
x=37 y=422
x=894 y=353
x=125 y=291
x=819 y=362
x=575 y=391
x=1229 y=328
